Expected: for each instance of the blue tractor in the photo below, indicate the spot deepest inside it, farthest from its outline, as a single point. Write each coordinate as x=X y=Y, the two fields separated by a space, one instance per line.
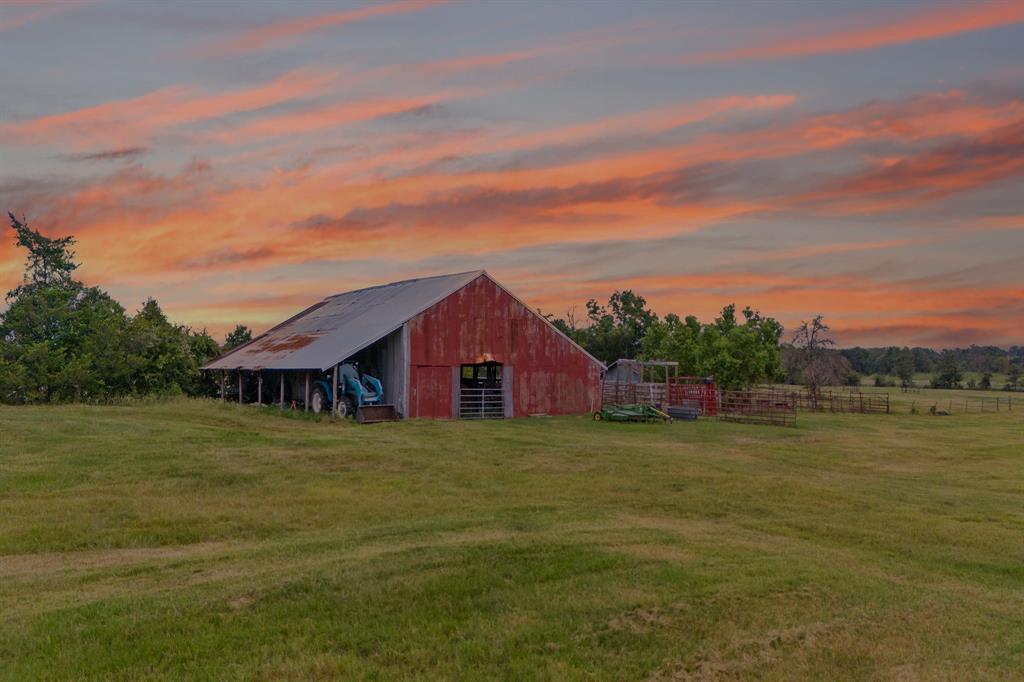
x=358 y=394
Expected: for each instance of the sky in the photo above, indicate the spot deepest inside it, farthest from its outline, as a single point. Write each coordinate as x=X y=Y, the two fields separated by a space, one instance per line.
x=240 y=160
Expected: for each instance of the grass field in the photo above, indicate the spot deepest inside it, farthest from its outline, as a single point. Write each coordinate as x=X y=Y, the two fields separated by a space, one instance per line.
x=194 y=540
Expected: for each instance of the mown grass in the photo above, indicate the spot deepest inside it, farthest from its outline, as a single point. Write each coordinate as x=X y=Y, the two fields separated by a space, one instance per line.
x=194 y=540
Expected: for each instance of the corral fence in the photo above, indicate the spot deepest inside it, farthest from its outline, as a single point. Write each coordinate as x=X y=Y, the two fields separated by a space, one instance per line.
x=758 y=406
x=691 y=391
x=969 y=405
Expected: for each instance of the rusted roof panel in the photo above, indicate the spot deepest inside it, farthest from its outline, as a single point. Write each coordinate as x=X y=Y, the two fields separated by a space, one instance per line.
x=339 y=326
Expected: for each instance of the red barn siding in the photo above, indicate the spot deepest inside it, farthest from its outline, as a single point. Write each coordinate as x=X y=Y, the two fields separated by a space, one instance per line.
x=482 y=322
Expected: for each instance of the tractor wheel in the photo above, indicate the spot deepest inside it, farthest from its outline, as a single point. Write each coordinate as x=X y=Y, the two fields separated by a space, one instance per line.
x=318 y=403
x=598 y=417
x=344 y=408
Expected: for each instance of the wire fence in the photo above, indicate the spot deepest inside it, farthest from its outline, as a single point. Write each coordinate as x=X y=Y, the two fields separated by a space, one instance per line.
x=830 y=401
x=967 y=405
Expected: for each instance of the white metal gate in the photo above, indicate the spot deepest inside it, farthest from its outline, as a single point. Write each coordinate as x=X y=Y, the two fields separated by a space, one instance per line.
x=481 y=403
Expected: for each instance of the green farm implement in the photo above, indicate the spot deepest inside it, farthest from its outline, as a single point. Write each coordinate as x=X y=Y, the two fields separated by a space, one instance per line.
x=631 y=413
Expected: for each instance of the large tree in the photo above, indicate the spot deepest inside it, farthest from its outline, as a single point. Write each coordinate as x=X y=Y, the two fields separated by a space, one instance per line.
x=814 y=357
x=616 y=330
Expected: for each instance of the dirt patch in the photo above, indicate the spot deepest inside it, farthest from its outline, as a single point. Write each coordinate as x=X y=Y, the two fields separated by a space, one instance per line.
x=640 y=621
x=731 y=661
x=48 y=563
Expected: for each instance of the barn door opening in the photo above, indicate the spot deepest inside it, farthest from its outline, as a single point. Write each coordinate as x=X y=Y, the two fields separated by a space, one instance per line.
x=481 y=395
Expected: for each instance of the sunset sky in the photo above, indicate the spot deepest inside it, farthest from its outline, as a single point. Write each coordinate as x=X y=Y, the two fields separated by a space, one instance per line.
x=238 y=161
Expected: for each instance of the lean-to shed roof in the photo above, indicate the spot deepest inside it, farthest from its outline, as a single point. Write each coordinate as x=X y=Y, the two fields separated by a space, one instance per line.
x=339 y=326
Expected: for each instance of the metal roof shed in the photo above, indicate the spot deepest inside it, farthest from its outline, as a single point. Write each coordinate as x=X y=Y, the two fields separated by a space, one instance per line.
x=422 y=335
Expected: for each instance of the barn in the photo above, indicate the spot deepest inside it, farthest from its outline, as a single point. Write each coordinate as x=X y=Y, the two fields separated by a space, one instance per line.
x=458 y=345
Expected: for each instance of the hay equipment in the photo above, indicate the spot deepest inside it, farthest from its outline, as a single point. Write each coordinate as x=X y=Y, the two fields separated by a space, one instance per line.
x=631 y=413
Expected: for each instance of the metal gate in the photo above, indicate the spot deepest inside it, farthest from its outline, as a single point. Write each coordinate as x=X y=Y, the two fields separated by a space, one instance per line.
x=481 y=403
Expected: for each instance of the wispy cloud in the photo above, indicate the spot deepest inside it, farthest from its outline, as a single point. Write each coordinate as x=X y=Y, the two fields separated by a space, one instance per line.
x=135 y=120
x=17 y=15
x=894 y=29
x=118 y=154
x=288 y=31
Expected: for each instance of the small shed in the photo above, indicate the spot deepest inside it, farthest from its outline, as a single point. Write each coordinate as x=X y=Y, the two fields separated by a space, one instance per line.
x=458 y=345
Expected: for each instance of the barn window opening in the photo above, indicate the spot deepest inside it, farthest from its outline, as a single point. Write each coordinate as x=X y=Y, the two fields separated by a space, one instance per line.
x=480 y=391
x=482 y=375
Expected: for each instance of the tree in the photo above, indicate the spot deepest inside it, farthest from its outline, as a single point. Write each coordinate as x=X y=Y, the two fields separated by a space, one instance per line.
x=58 y=339
x=948 y=372
x=616 y=330
x=237 y=336
x=1013 y=377
x=203 y=348
x=986 y=381
x=49 y=263
x=904 y=367
x=736 y=353
x=812 y=344
x=160 y=352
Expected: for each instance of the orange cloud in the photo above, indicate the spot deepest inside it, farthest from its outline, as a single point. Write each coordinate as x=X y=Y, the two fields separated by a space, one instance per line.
x=328 y=116
x=914 y=27
x=284 y=32
x=124 y=122
x=997 y=223
x=958 y=166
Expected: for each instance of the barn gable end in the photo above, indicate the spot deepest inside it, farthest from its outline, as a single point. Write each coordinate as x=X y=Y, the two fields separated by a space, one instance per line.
x=544 y=372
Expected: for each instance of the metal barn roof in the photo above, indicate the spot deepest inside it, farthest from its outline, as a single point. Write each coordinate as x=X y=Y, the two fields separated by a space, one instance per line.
x=339 y=326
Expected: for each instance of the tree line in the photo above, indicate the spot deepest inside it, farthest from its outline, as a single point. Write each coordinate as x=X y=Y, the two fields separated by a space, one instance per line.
x=61 y=340
x=888 y=360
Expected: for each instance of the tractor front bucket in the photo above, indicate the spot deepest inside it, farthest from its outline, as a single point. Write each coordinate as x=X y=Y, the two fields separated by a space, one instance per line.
x=371 y=414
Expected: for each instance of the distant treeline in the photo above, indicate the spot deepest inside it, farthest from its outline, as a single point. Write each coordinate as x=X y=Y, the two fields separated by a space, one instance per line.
x=978 y=359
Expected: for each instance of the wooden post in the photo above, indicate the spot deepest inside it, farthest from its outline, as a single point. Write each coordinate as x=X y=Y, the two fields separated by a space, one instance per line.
x=281 y=381
x=223 y=386
x=334 y=392
x=306 y=406
x=239 y=387
x=259 y=388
